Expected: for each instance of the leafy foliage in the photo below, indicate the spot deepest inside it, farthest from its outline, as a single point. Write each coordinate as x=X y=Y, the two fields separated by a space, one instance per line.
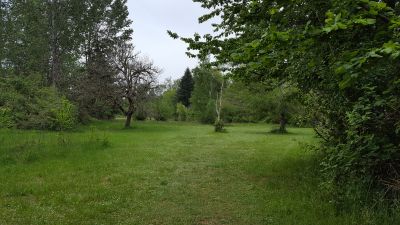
x=24 y=105
x=219 y=126
x=344 y=53
x=164 y=106
x=254 y=102
x=182 y=112
x=66 y=43
x=207 y=84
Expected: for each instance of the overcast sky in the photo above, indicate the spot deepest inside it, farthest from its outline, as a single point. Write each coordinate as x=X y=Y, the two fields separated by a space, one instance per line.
x=151 y=20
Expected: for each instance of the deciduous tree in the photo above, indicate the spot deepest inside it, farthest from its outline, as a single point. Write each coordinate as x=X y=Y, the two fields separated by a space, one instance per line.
x=135 y=77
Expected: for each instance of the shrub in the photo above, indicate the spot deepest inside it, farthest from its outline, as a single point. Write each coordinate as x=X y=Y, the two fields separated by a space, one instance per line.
x=141 y=115
x=65 y=115
x=25 y=104
x=182 y=112
x=164 y=107
x=6 y=120
x=219 y=126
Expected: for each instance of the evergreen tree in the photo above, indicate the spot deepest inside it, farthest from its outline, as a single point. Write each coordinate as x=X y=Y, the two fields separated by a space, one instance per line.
x=185 y=89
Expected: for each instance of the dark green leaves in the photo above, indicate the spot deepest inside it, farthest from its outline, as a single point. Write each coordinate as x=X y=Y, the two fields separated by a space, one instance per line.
x=346 y=52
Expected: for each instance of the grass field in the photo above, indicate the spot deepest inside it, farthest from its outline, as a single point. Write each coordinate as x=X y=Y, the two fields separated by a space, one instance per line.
x=163 y=173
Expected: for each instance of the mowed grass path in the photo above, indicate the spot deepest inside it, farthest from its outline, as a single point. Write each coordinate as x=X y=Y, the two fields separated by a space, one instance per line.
x=161 y=173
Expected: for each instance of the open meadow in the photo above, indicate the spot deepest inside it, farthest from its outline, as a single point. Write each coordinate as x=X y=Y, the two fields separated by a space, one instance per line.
x=163 y=173
x=200 y=112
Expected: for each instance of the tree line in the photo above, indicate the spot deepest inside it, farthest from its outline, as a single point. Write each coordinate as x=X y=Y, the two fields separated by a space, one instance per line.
x=208 y=96
x=64 y=62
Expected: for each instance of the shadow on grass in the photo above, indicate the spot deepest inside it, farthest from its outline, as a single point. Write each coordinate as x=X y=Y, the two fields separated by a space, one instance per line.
x=269 y=133
x=117 y=126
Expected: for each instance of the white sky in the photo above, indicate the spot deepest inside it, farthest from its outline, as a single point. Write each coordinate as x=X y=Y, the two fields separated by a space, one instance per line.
x=151 y=20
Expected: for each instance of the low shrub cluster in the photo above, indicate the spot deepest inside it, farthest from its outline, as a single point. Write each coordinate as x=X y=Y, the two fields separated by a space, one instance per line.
x=26 y=105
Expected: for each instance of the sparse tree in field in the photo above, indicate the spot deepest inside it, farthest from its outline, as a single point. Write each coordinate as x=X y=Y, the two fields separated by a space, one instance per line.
x=219 y=123
x=185 y=88
x=135 y=78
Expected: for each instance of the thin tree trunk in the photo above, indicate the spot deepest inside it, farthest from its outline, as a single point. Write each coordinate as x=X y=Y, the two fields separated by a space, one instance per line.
x=219 y=125
x=218 y=102
x=128 y=119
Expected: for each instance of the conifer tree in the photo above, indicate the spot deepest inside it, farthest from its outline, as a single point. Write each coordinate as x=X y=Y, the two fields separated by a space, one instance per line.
x=185 y=88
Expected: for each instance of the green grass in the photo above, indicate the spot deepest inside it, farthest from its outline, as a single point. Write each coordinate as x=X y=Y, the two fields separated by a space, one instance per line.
x=163 y=173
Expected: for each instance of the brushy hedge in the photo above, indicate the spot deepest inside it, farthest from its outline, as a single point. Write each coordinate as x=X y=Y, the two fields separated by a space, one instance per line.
x=24 y=104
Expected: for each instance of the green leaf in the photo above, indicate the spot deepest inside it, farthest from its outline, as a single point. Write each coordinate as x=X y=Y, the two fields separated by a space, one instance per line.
x=391 y=48
x=172 y=34
x=255 y=43
x=348 y=80
x=373 y=54
x=365 y=21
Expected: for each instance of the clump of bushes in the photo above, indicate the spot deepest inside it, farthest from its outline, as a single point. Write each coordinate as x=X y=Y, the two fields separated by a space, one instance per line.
x=24 y=104
x=181 y=112
x=164 y=107
x=219 y=126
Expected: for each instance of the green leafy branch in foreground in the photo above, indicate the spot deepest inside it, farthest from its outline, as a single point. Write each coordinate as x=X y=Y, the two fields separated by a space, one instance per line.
x=343 y=55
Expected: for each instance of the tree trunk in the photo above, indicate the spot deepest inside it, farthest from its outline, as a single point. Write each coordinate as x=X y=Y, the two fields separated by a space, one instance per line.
x=219 y=125
x=55 y=54
x=128 y=119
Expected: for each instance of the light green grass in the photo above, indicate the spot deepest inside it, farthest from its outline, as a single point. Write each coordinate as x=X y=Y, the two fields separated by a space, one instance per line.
x=163 y=173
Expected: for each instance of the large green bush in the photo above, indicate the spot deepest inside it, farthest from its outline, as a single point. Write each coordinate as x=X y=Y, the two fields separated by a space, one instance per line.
x=25 y=104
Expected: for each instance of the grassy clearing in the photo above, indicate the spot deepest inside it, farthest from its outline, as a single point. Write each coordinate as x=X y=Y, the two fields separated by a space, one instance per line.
x=163 y=173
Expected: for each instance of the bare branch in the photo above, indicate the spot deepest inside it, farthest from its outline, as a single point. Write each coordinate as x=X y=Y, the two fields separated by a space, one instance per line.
x=135 y=76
